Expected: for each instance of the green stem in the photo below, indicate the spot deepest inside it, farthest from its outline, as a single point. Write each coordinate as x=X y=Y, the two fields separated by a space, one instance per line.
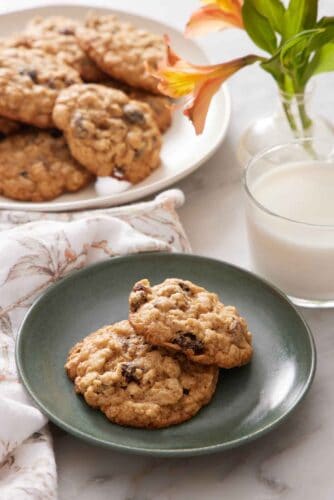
x=292 y=90
x=304 y=123
x=290 y=117
x=304 y=118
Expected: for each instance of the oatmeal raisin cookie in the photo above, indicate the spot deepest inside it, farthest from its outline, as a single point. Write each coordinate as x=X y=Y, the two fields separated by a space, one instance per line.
x=123 y=51
x=55 y=35
x=136 y=384
x=109 y=133
x=37 y=166
x=179 y=315
x=29 y=84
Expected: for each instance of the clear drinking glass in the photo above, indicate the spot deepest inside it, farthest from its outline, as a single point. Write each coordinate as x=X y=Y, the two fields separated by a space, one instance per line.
x=290 y=219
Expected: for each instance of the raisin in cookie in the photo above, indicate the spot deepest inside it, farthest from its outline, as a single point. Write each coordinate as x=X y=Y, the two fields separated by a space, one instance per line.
x=161 y=106
x=123 y=51
x=37 y=166
x=55 y=35
x=29 y=84
x=185 y=317
x=108 y=133
x=137 y=384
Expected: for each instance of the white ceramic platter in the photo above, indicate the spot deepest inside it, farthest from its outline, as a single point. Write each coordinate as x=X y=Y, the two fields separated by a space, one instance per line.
x=182 y=152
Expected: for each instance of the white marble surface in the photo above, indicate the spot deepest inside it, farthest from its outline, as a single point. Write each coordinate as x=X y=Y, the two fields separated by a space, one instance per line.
x=295 y=461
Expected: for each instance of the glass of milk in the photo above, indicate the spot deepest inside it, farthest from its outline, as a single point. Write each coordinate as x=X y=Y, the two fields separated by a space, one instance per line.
x=290 y=219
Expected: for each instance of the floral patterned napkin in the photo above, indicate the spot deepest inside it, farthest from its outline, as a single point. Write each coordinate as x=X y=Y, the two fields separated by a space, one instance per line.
x=36 y=250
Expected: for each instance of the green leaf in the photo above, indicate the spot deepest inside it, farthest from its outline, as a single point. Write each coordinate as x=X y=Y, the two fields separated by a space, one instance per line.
x=327 y=32
x=295 y=56
x=291 y=61
x=322 y=38
x=311 y=14
x=273 y=10
x=323 y=35
x=325 y=22
x=258 y=27
x=300 y=15
x=273 y=66
x=295 y=48
x=322 y=62
x=294 y=17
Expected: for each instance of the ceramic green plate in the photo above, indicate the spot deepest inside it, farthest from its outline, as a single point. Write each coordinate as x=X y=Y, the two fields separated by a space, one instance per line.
x=249 y=401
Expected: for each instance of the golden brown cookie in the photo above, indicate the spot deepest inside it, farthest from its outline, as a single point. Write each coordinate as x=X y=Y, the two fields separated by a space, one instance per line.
x=37 y=166
x=55 y=35
x=29 y=84
x=161 y=106
x=108 y=133
x=123 y=51
x=136 y=384
x=187 y=318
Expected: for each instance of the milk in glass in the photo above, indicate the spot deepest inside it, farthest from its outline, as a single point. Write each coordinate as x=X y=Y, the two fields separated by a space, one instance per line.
x=292 y=236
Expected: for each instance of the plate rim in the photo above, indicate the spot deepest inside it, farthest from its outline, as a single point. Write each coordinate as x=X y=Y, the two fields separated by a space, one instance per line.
x=140 y=192
x=162 y=452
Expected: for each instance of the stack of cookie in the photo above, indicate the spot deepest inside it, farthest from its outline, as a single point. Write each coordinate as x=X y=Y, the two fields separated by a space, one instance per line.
x=78 y=101
x=160 y=367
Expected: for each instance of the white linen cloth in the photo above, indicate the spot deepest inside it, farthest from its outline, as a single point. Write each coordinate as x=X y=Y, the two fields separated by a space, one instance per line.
x=36 y=250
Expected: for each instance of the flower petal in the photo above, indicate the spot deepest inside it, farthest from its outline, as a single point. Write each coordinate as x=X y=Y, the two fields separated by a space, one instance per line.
x=178 y=78
x=171 y=57
x=213 y=18
x=198 y=108
x=224 y=4
x=177 y=83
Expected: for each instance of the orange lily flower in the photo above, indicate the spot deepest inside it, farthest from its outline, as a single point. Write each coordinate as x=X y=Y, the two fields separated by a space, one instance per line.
x=214 y=16
x=178 y=78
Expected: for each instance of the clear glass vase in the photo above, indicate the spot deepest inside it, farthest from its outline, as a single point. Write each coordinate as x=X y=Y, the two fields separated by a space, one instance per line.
x=293 y=119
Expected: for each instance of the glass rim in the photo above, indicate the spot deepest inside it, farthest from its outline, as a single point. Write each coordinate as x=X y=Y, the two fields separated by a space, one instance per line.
x=260 y=155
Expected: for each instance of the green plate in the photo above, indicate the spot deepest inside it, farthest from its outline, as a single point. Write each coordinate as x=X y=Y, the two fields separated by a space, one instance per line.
x=249 y=401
